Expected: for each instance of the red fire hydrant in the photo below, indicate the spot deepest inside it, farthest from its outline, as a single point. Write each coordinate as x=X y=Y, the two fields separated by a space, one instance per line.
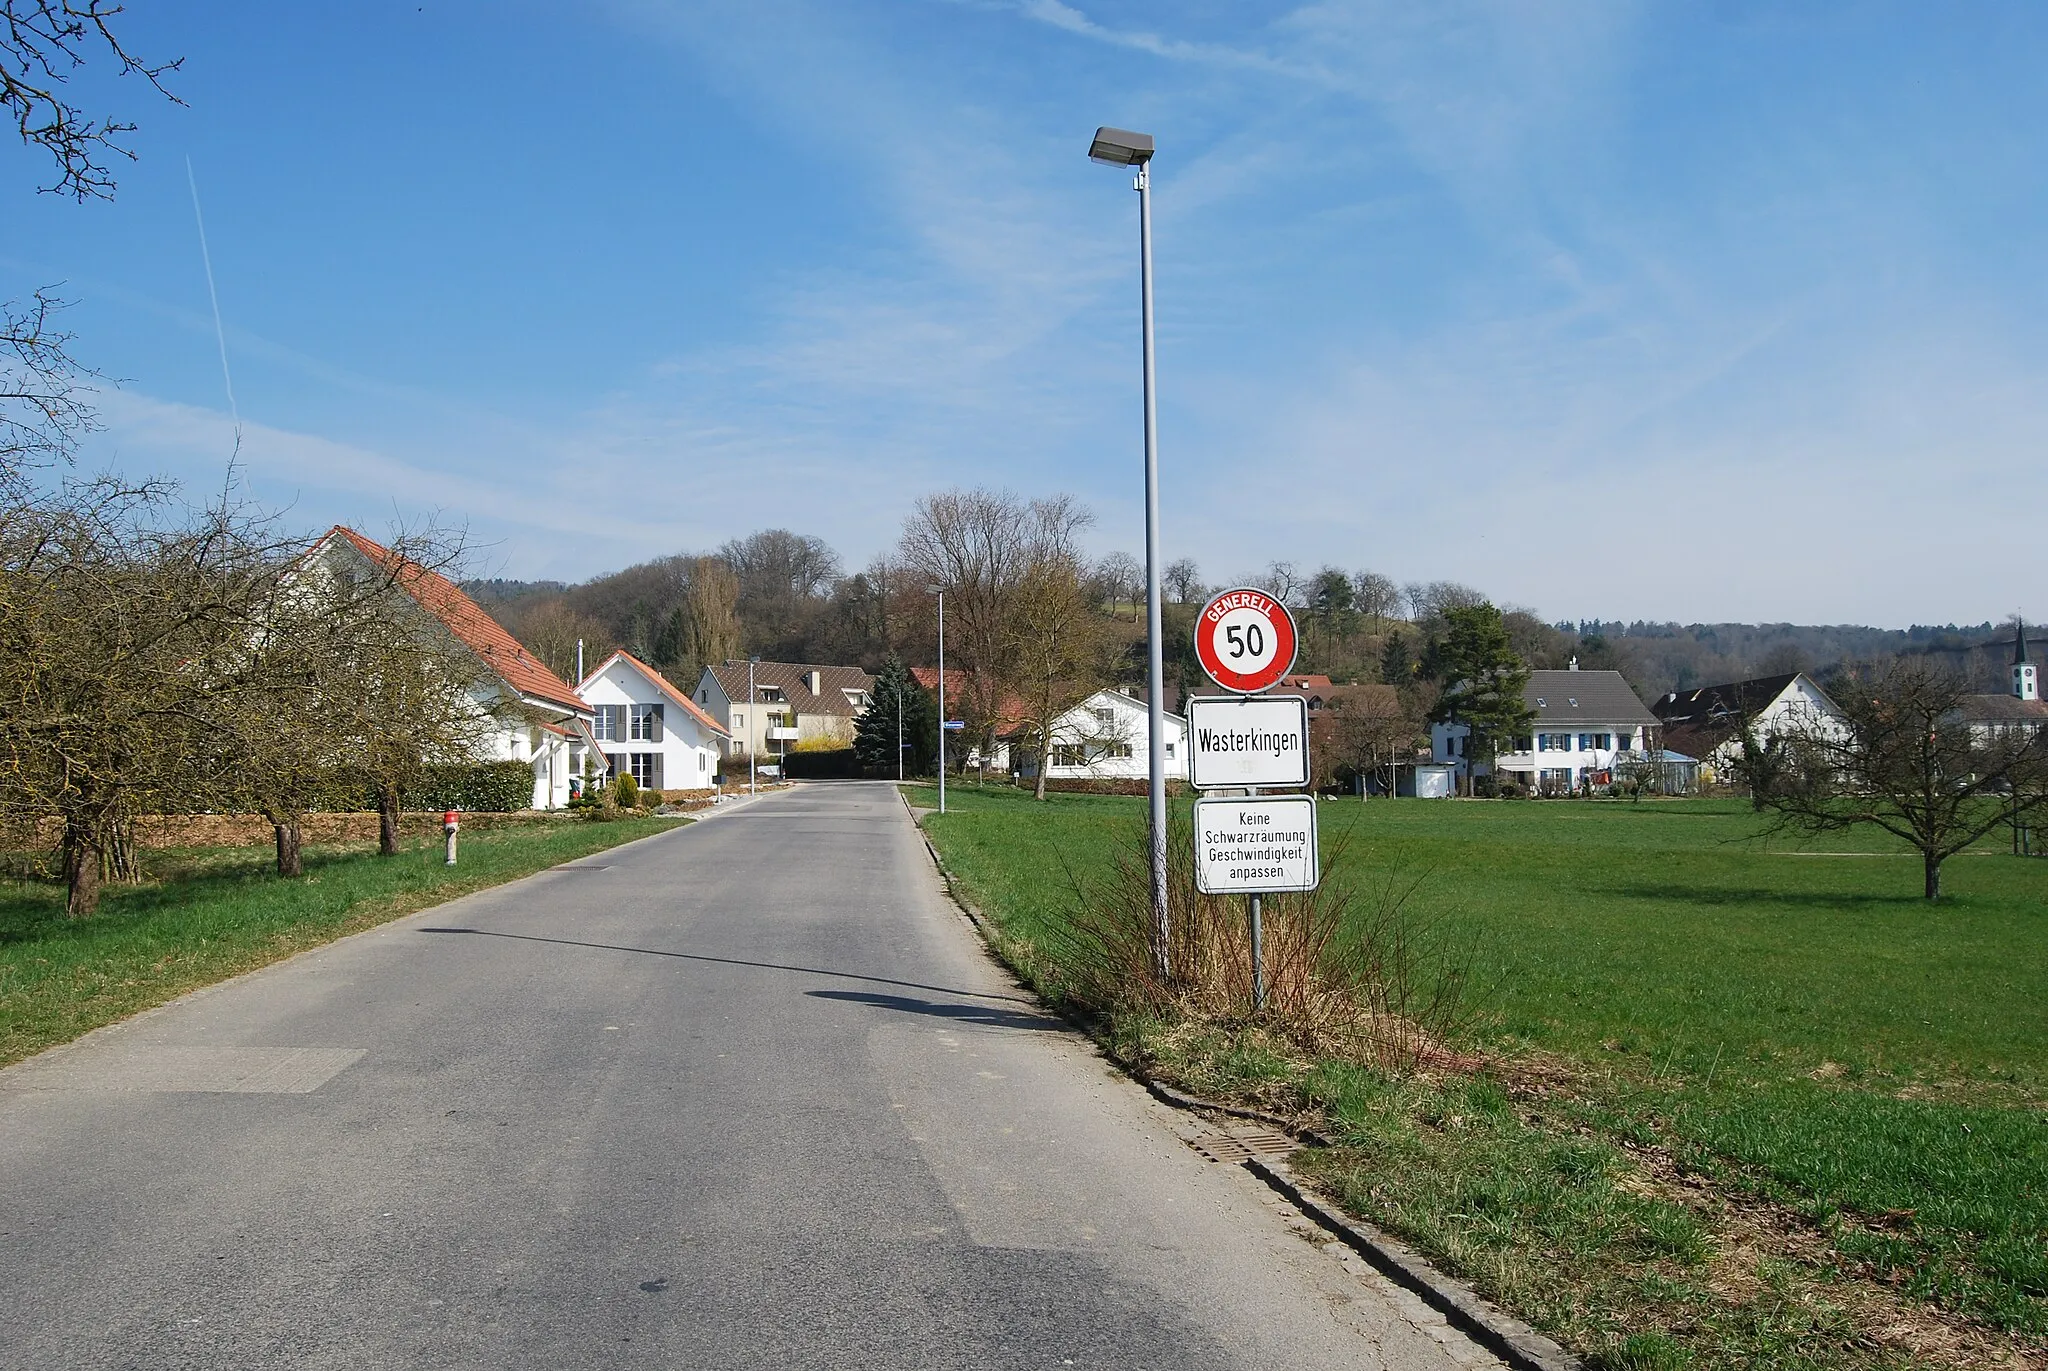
x=451 y=824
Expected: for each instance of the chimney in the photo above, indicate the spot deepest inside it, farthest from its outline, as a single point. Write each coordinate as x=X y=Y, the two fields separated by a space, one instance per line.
x=814 y=681
x=1572 y=665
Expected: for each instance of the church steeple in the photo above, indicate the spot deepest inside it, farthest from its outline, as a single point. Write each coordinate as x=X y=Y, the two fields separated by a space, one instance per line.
x=2026 y=680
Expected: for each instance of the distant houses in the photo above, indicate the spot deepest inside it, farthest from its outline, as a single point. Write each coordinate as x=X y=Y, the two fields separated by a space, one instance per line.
x=1708 y=722
x=1107 y=738
x=2021 y=706
x=794 y=705
x=1588 y=725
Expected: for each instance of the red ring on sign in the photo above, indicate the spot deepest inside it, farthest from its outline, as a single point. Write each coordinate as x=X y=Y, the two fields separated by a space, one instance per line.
x=1276 y=616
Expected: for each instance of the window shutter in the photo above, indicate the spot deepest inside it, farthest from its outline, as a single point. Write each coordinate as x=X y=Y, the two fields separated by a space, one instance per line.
x=654 y=724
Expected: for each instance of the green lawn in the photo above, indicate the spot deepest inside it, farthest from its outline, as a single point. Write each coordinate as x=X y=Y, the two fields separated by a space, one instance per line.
x=210 y=913
x=1797 y=1030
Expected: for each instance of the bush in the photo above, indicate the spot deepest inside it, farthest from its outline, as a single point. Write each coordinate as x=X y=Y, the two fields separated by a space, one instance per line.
x=836 y=763
x=478 y=787
x=626 y=792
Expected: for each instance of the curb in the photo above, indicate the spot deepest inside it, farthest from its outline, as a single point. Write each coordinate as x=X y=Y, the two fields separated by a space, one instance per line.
x=1464 y=1308
x=1478 y=1318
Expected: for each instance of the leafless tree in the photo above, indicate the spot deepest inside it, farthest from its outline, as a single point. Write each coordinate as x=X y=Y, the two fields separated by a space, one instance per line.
x=1430 y=600
x=1376 y=597
x=1181 y=582
x=982 y=545
x=1118 y=580
x=1903 y=757
x=1283 y=582
x=783 y=578
x=1371 y=729
x=44 y=392
x=42 y=42
x=1059 y=653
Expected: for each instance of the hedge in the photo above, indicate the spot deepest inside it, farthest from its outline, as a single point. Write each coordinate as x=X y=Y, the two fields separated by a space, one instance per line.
x=479 y=787
x=839 y=763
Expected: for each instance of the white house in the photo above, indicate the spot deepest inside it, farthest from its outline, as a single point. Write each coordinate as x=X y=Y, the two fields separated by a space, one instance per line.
x=525 y=712
x=1707 y=722
x=1104 y=738
x=1586 y=722
x=650 y=730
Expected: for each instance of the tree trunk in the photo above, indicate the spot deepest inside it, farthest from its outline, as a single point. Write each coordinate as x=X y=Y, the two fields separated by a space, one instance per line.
x=81 y=871
x=290 y=859
x=1044 y=761
x=1933 y=865
x=119 y=861
x=387 y=821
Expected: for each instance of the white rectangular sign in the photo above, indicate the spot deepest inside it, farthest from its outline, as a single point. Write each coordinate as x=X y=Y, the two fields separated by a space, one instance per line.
x=1258 y=741
x=1255 y=846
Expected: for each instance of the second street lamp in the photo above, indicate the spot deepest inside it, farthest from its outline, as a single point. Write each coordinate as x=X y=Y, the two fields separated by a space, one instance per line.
x=1122 y=148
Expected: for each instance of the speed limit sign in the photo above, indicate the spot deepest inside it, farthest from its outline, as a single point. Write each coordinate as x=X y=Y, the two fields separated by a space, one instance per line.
x=1245 y=639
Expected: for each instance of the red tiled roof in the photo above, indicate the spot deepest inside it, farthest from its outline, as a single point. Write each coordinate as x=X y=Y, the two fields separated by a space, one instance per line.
x=661 y=683
x=1009 y=709
x=476 y=630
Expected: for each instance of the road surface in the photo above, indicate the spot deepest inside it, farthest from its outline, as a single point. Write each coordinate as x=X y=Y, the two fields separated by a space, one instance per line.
x=748 y=1094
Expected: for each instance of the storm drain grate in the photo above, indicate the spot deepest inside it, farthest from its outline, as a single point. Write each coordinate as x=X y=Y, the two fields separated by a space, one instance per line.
x=585 y=867
x=1242 y=1146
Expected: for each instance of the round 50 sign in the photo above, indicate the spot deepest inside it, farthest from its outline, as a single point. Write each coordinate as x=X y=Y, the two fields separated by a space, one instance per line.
x=1245 y=639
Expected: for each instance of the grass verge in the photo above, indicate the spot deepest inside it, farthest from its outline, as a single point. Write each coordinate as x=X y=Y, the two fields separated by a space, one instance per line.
x=1735 y=1104
x=205 y=914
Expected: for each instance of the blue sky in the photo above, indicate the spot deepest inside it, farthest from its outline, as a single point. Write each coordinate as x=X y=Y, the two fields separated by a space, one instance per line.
x=1717 y=311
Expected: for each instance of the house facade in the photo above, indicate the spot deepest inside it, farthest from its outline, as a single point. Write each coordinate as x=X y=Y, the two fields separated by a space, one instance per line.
x=525 y=713
x=1587 y=724
x=650 y=730
x=794 y=704
x=1707 y=722
x=1106 y=738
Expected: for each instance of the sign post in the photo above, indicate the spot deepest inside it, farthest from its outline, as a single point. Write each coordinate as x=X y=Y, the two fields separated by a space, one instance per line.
x=1257 y=845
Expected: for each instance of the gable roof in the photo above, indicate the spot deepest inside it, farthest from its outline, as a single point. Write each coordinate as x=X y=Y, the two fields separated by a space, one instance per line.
x=790 y=678
x=1009 y=709
x=660 y=683
x=1731 y=699
x=1588 y=697
x=2001 y=709
x=519 y=669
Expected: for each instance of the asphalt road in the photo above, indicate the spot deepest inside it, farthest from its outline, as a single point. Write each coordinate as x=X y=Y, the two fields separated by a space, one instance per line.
x=748 y=1094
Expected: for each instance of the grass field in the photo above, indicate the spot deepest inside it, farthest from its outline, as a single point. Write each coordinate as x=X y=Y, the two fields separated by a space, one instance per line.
x=209 y=913
x=1703 y=1044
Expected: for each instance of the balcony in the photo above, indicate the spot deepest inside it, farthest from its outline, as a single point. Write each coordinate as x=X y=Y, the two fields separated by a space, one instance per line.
x=779 y=734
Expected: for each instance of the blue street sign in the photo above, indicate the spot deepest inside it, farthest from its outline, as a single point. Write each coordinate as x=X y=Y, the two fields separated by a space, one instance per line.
x=956 y=723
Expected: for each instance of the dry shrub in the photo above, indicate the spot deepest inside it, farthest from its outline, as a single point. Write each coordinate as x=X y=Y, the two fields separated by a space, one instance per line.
x=1350 y=969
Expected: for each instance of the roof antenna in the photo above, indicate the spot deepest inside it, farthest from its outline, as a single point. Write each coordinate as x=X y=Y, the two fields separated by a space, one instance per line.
x=219 y=333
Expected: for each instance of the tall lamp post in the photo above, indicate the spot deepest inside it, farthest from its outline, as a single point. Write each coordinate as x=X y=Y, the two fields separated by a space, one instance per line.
x=940 y=591
x=753 y=723
x=1122 y=148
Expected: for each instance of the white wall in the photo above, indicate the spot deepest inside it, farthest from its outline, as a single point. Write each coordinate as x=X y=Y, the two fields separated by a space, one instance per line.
x=688 y=751
x=1101 y=740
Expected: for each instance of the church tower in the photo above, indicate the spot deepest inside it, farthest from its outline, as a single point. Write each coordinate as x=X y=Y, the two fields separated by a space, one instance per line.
x=2026 y=679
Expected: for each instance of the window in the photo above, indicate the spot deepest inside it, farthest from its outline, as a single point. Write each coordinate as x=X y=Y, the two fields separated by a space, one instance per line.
x=1117 y=750
x=1067 y=754
x=1586 y=743
x=646 y=768
x=772 y=694
x=1553 y=742
x=1603 y=741
x=1104 y=714
x=1169 y=752
x=610 y=725
x=645 y=723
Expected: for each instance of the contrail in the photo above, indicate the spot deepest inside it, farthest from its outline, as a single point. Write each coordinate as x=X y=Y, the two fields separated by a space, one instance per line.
x=219 y=333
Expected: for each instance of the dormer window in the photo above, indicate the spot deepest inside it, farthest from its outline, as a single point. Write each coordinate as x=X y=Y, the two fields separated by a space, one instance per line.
x=1573 y=702
x=1542 y=703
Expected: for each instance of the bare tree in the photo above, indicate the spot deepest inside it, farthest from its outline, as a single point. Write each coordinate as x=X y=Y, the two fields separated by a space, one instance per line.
x=1904 y=758
x=1283 y=582
x=41 y=43
x=44 y=391
x=783 y=578
x=981 y=545
x=1059 y=653
x=125 y=625
x=1371 y=730
x=1376 y=597
x=1181 y=582
x=1119 y=580
x=1433 y=599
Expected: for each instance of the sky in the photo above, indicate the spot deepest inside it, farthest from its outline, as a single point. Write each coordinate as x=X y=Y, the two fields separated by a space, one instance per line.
x=1727 y=311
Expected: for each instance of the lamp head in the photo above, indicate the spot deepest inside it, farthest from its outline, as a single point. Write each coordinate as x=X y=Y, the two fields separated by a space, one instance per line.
x=1120 y=147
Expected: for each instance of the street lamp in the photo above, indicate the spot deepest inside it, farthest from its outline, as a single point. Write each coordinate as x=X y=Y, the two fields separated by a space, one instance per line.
x=940 y=591
x=752 y=723
x=1122 y=148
